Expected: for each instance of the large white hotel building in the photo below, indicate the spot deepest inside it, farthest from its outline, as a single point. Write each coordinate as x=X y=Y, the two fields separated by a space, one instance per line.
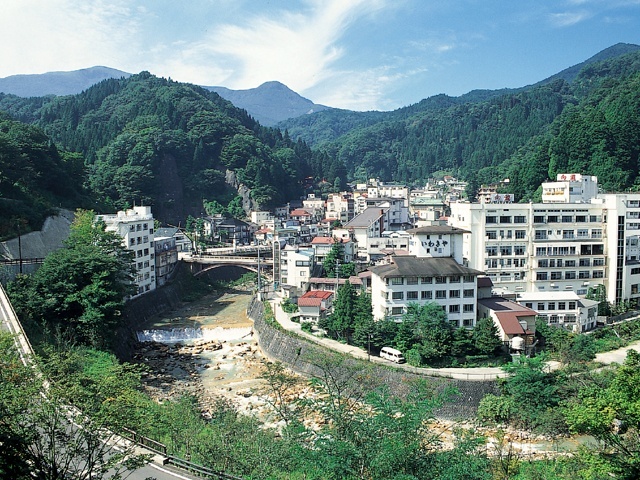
x=575 y=239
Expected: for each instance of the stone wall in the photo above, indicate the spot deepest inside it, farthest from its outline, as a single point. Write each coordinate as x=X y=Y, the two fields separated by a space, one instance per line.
x=300 y=354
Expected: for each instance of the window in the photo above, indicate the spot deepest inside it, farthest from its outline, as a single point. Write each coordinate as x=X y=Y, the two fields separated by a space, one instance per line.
x=572 y=305
x=396 y=310
x=519 y=219
x=552 y=219
x=468 y=308
x=412 y=280
x=528 y=305
x=556 y=276
x=425 y=280
x=441 y=279
x=541 y=276
x=468 y=279
x=541 y=251
x=454 y=279
x=468 y=293
x=146 y=252
x=583 y=274
x=570 y=275
x=454 y=308
x=397 y=281
x=426 y=295
x=598 y=262
x=521 y=234
x=468 y=322
x=541 y=235
x=519 y=250
x=441 y=294
x=598 y=274
x=569 y=263
x=491 y=251
x=540 y=306
x=505 y=219
x=491 y=235
x=635 y=271
x=551 y=306
x=412 y=295
x=543 y=263
x=562 y=306
x=491 y=219
x=505 y=250
x=454 y=293
x=397 y=295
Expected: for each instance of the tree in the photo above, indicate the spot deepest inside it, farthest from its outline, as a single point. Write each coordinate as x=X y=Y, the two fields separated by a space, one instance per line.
x=485 y=337
x=80 y=289
x=431 y=330
x=340 y=323
x=47 y=439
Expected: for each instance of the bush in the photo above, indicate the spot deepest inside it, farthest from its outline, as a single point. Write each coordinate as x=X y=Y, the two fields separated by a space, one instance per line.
x=496 y=409
x=413 y=357
x=307 y=327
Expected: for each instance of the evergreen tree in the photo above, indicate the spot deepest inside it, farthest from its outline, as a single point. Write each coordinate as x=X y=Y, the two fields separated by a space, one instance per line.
x=485 y=337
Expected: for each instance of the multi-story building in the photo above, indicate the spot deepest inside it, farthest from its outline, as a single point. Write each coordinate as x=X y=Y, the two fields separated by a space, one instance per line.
x=297 y=266
x=574 y=240
x=135 y=226
x=166 y=256
x=411 y=279
x=432 y=273
x=340 y=206
x=565 y=309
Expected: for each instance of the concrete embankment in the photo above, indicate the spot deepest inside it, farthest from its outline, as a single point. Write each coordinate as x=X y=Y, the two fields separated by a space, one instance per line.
x=302 y=356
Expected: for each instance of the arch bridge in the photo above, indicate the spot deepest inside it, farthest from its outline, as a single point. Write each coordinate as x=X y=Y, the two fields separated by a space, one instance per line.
x=200 y=264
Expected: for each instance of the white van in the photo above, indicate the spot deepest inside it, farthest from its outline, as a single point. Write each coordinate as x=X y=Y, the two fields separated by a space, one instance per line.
x=392 y=355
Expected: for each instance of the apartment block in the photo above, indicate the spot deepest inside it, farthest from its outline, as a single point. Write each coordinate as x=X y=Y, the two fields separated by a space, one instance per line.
x=135 y=226
x=574 y=240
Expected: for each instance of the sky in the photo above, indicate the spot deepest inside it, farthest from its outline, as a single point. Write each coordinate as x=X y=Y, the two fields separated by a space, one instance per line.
x=353 y=54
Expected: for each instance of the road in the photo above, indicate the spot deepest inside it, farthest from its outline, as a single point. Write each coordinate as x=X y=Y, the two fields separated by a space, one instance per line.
x=8 y=322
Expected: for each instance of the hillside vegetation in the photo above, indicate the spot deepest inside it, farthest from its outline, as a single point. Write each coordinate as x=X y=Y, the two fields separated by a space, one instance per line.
x=583 y=122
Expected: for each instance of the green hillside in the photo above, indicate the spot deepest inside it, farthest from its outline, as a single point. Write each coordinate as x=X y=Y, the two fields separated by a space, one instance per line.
x=526 y=135
x=170 y=145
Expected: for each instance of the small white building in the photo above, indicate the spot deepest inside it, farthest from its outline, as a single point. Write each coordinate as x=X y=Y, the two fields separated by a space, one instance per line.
x=296 y=267
x=564 y=309
x=314 y=305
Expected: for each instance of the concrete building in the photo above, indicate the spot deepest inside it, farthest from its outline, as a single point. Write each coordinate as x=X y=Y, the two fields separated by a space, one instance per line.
x=562 y=309
x=297 y=266
x=323 y=245
x=135 y=226
x=557 y=246
x=411 y=279
x=166 y=256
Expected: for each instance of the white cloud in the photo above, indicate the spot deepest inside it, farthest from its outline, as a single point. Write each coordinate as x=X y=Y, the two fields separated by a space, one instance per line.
x=567 y=19
x=296 y=48
x=38 y=36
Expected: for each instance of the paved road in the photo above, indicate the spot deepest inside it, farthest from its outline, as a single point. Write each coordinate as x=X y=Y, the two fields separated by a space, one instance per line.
x=617 y=356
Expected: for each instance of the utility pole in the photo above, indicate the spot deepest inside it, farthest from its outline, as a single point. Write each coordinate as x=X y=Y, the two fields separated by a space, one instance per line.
x=259 y=289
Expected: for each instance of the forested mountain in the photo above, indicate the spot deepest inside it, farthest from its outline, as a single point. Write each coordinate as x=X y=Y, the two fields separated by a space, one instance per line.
x=57 y=83
x=170 y=145
x=34 y=176
x=528 y=135
x=269 y=103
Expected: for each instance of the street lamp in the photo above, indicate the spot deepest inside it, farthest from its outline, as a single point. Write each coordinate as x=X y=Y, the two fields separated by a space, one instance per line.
x=369 y=335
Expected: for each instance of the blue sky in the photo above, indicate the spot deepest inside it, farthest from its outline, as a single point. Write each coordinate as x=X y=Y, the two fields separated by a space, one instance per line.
x=355 y=54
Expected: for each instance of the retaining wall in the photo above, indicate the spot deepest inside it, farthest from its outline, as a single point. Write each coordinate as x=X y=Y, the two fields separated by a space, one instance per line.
x=301 y=355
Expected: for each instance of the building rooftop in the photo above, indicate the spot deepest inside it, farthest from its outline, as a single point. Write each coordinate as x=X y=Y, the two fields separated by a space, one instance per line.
x=314 y=298
x=366 y=218
x=411 y=266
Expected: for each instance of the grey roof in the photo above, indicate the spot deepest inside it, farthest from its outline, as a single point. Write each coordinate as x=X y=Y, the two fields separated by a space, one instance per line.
x=437 y=230
x=411 y=266
x=366 y=218
x=165 y=232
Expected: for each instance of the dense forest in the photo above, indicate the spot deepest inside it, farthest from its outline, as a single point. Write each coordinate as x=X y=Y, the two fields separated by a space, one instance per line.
x=171 y=145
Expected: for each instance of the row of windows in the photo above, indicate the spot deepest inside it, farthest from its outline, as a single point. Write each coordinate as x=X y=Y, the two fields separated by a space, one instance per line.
x=139 y=240
x=467 y=322
x=506 y=234
x=428 y=294
x=542 y=306
x=595 y=249
x=579 y=234
x=559 y=262
x=429 y=280
x=138 y=227
x=582 y=218
x=569 y=275
x=505 y=250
